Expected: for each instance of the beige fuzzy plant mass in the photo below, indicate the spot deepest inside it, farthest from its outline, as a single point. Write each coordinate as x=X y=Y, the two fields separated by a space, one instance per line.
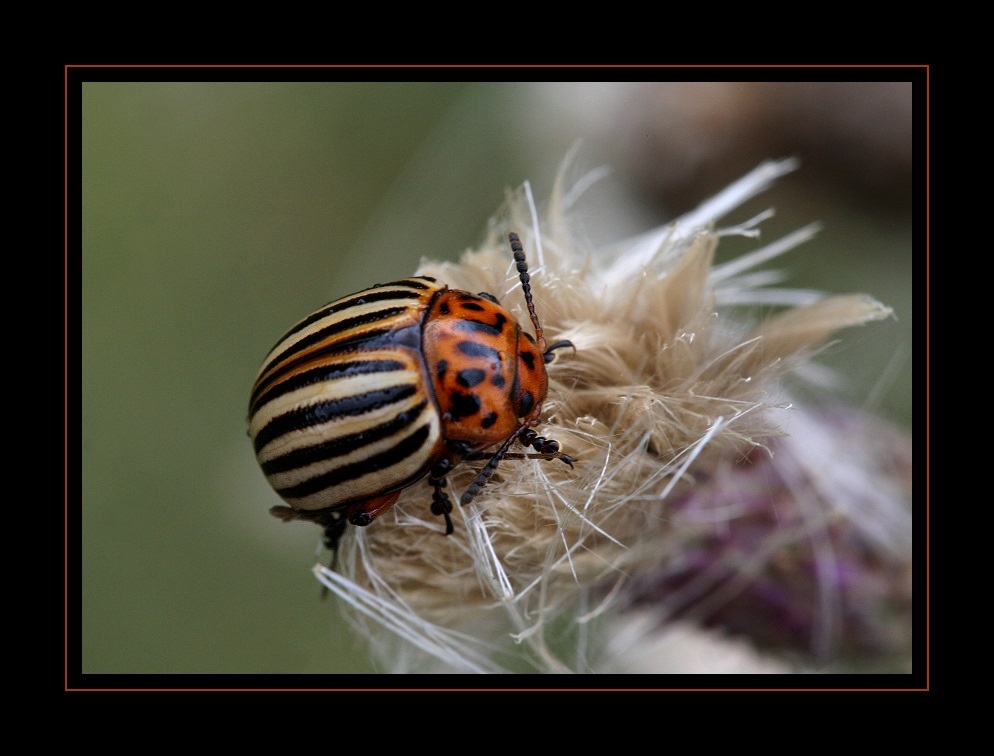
x=689 y=499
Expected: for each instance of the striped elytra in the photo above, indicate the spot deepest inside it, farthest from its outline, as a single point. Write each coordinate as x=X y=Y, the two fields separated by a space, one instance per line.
x=394 y=384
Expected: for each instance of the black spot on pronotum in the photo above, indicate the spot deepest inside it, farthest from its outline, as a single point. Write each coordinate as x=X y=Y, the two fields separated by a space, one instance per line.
x=526 y=404
x=529 y=359
x=474 y=349
x=472 y=326
x=470 y=377
x=463 y=405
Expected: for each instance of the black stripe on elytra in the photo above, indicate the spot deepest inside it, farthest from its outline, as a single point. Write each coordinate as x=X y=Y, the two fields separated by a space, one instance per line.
x=346 y=444
x=367 y=339
x=388 y=458
x=361 y=297
x=326 y=371
x=374 y=338
x=316 y=414
x=337 y=325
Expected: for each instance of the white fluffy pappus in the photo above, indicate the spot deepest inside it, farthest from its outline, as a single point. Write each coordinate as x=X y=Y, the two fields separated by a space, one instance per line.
x=699 y=497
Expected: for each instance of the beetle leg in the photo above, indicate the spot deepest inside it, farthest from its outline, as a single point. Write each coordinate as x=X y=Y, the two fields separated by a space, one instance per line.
x=440 y=502
x=547 y=448
x=488 y=469
x=333 y=532
x=527 y=455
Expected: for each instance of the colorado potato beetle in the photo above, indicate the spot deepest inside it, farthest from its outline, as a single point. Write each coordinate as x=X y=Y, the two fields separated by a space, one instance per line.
x=383 y=388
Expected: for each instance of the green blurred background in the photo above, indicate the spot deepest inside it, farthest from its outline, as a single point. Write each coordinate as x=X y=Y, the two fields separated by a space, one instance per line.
x=217 y=214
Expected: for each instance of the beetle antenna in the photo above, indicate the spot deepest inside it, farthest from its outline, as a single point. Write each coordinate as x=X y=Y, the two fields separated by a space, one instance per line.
x=519 y=259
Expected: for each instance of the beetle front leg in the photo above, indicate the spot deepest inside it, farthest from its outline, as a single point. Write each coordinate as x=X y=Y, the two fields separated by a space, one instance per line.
x=547 y=448
x=440 y=502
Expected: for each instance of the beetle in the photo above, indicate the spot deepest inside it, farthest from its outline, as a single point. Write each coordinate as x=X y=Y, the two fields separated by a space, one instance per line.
x=394 y=384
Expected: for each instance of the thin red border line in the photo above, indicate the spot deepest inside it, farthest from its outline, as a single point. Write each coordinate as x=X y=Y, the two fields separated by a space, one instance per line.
x=575 y=66
x=497 y=690
x=928 y=377
x=65 y=375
